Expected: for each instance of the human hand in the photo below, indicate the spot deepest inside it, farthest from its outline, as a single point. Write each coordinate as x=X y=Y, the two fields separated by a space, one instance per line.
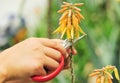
x=31 y=57
x=69 y=51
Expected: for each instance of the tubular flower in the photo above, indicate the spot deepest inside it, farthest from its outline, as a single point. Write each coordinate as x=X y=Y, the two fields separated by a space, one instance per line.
x=69 y=21
x=104 y=75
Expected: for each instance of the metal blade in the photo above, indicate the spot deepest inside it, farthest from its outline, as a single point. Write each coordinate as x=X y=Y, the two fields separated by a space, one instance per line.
x=66 y=44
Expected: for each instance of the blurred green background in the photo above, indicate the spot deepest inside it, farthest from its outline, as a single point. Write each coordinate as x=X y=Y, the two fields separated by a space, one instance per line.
x=101 y=47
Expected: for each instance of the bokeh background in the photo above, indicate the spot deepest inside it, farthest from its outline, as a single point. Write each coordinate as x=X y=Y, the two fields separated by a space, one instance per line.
x=21 y=19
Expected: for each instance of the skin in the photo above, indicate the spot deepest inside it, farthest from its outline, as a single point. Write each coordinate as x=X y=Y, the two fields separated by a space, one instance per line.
x=31 y=57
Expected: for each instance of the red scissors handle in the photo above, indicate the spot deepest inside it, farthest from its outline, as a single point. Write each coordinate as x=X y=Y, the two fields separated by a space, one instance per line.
x=50 y=76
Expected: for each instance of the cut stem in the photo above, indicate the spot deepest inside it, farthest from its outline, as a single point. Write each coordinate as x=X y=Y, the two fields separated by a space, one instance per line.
x=71 y=66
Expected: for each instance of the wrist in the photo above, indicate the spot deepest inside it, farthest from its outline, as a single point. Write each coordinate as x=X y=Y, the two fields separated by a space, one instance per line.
x=2 y=71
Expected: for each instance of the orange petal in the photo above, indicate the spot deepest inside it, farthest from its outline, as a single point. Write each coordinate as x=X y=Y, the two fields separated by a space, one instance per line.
x=116 y=73
x=108 y=74
x=66 y=3
x=98 y=79
x=68 y=34
x=94 y=74
x=72 y=33
x=63 y=32
x=79 y=4
x=74 y=19
x=57 y=30
x=64 y=15
x=102 y=79
x=81 y=31
x=109 y=80
x=69 y=13
x=62 y=10
x=77 y=9
x=79 y=15
x=76 y=33
x=63 y=6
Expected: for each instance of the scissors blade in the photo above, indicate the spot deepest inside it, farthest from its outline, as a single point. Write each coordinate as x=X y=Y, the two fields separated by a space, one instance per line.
x=67 y=43
x=79 y=38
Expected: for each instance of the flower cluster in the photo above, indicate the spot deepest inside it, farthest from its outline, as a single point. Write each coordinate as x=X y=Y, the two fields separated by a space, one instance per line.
x=104 y=75
x=69 y=21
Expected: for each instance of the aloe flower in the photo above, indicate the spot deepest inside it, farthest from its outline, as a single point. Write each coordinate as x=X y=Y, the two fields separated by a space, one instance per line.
x=104 y=75
x=69 y=21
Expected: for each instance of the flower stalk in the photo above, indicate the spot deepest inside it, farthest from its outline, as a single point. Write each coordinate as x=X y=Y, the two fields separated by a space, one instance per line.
x=69 y=26
x=69 y=21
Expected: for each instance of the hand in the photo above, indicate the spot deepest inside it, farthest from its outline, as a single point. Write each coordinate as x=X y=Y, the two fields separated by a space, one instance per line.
x=31 y=57
x=69 y=51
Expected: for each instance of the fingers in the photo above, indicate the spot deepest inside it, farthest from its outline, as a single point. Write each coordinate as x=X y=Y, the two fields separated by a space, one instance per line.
x=53 y=50
x=50 y=64
x=52 y=53
x=58 y=41
x=61 y=41
x=40 y=71
x=53 y=44
x=73 y=51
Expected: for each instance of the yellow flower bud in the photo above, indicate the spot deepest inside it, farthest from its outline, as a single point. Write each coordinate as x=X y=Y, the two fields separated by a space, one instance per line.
x=116 y=73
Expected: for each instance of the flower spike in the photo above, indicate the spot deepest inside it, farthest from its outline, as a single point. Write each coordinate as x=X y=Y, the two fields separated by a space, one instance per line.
x=104 y=75
x=69 y=21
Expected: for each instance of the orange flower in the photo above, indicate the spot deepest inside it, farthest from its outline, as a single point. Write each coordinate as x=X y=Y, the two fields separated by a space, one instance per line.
x=69 y=21
x=104 y=75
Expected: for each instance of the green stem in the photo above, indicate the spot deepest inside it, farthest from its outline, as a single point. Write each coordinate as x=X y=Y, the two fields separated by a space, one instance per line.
x=71 y=65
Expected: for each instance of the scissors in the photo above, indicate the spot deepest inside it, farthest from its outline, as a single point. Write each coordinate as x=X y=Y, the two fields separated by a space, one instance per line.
x=66 y=43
